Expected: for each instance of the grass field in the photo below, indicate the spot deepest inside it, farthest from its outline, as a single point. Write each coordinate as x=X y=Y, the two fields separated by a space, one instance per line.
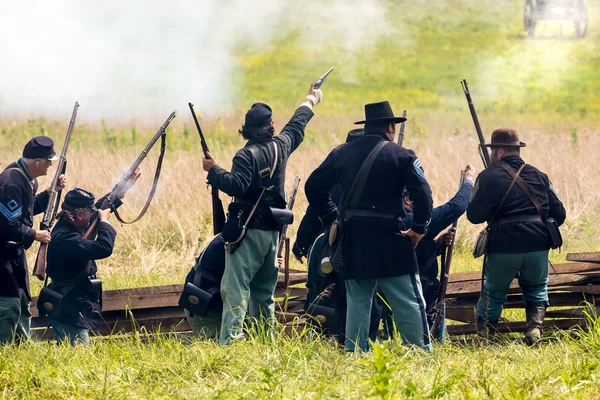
x=546 y=89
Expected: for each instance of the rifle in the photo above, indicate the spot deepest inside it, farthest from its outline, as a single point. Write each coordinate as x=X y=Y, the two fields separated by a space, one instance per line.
x=483 y=152
x=125 y=183
x=283 y=235
x=440 y=303
x=320 y=81
x=39 y=270
x=401 y=134
x=217 y=206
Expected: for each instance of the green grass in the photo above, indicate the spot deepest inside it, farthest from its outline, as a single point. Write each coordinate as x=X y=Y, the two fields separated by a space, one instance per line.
x=564 y=366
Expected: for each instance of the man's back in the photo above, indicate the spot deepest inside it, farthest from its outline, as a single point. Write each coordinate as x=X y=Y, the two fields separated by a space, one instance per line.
x=517 y=236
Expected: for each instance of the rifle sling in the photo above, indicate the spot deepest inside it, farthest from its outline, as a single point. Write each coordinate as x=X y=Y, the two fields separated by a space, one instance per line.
x=524 y=186
x=163 y=143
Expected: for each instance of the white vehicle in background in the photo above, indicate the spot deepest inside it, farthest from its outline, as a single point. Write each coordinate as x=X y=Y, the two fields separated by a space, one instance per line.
x=557 y=10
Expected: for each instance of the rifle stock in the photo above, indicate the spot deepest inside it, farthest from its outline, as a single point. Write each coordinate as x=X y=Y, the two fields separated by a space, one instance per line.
x=445 y=273
x=483 y=152
x=39 y=270
x=401 y=134
x=218 y=211
x=283 y=235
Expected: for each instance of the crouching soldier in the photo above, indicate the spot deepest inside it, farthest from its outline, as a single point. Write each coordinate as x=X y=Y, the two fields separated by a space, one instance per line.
x=72 y=268
x=201 y=297
x=18 y=204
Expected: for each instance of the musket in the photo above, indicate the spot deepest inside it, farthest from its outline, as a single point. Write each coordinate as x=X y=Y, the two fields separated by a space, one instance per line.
x=401 y=134
x=320 y=81
x=218 y=211
x=290 y=207
x=39 y=270
x=440 y=303
x=483 y=152
x=126 y=182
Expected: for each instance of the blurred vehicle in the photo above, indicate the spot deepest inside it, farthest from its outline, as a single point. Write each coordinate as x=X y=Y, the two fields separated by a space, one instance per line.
x=557 y=10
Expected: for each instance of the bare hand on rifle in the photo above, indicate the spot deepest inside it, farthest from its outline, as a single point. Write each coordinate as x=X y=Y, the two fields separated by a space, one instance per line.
x=208 y=162
x=104 y=215
x=470 y=173
x=62 y=183
x=42 y=236
x=444 y=240
x=130 y=182
x=414 y=237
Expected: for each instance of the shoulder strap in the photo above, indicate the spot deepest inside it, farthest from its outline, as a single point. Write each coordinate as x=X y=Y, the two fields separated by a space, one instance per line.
x=512 y=184
x=524 y=187
x=361 y=178
x=22 y=173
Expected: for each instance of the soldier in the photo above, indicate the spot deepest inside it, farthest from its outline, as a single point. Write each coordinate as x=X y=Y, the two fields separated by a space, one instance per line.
x=72 y=266
x=519 y=237
x=430 y=248
x=326 y=295
x=377 y=248
x=18 y=204
x=256 y=181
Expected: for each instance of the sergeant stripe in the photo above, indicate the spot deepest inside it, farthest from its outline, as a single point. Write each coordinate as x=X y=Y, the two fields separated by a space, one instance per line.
x=10 y=215
x=419 y=169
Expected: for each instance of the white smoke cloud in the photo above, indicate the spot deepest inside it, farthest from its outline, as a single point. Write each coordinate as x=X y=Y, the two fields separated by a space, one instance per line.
x=141 y=59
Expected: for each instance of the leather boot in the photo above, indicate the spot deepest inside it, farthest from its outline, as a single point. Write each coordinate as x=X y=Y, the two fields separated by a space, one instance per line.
x=487 y=329
x=534 y=314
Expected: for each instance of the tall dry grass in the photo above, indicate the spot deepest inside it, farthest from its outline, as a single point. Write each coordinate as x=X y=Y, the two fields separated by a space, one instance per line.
x=162 y=246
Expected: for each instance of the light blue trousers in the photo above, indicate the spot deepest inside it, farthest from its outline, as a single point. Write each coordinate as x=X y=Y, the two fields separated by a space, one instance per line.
x=15 y=318
x=205 y=326
x=249 y=281
x=500 y=270
x=72 y=334
x=405 y=297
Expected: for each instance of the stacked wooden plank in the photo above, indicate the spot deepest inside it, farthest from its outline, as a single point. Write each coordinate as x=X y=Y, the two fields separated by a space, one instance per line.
x=155 y=309
x=572 y=287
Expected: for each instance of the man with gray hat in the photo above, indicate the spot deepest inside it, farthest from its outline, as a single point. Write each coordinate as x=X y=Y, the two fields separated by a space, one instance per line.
x=378 y=249
x=523 y=213
x=255 y=217
x=18 y=204
x=72 y=267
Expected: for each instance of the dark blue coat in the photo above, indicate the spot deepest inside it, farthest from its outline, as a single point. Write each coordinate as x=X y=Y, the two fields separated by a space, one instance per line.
x=514 y=237
x=18 y=205
x=373 y=247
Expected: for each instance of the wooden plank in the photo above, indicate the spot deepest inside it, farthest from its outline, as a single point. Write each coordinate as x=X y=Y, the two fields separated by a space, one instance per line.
x=563 y=268
x=472 y=288
x=579 y=312
x=591 y=257
x=470 y=329
x=465 y=314
x=516 y=300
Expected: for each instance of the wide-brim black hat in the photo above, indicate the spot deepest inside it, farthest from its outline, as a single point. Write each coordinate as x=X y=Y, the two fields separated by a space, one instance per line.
x=379 y=112
x=505 y=138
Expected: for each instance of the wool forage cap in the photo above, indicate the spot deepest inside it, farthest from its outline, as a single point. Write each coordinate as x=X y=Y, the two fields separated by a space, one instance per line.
x=78 y=198
x=379 y=112
x=505 y=137
x=258 y=115
x=40 y=147
x=355 y=134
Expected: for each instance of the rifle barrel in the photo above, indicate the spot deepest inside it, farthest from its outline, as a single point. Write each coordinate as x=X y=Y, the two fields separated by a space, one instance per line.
x=122 y=183
x=202 y=140
x=483 y=152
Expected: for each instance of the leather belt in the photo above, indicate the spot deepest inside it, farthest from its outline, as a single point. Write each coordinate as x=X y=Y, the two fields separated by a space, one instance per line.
x=355 y=212
x=518 y=218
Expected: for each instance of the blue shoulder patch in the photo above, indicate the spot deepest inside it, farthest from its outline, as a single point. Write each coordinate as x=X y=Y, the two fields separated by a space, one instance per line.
x=419 y=169
x=11 y=211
